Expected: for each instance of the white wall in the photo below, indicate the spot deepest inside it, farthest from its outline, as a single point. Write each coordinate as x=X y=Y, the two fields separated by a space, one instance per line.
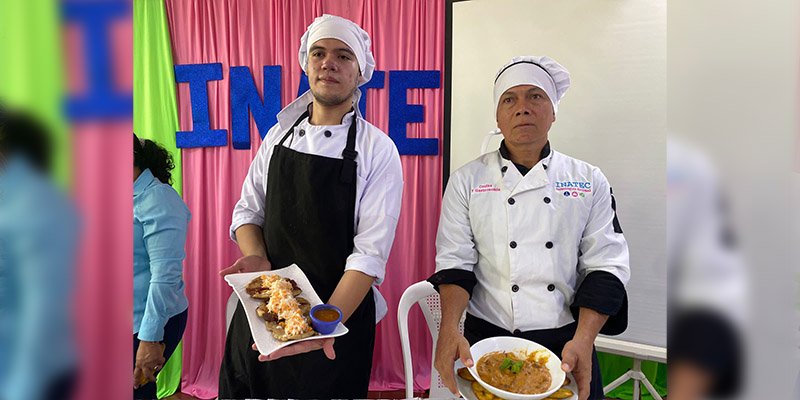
x=613 y=116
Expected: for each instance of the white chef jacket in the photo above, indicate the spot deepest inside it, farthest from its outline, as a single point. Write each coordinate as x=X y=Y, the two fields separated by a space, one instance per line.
x=379 y=188
x=530 y=240
x=705 y=270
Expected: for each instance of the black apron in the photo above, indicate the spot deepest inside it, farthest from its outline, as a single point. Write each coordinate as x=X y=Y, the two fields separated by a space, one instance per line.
x=310 y=214
x=476 y=329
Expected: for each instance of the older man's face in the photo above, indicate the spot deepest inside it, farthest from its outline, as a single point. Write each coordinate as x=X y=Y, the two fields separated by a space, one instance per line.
x=524 y=115
x=332 y=71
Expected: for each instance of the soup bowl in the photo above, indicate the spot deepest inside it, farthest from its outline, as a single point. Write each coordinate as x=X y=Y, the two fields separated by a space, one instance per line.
x=521 y=348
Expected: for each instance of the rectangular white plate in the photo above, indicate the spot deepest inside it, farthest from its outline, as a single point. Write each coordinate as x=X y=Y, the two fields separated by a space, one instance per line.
x=265 y=342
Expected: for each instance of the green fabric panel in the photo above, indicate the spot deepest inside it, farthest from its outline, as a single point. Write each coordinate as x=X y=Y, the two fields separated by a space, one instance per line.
x=155 y=108
x=155 y=117
x=168 y=380
x=31 y=40
x=613 y=366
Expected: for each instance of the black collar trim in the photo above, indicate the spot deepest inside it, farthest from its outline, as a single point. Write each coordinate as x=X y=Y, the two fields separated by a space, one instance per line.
x=521 y=168
x=505 y=154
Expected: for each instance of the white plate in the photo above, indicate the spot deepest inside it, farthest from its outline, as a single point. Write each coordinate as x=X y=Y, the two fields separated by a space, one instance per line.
x=265 y=342
x=465 y=386
x=523 y=347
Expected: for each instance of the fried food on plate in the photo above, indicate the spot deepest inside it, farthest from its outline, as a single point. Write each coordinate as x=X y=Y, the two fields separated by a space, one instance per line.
x=305 y=306
x=285 y=314
x=260 y=286
x=562 y=393
x=465 y=374
x=481 y=393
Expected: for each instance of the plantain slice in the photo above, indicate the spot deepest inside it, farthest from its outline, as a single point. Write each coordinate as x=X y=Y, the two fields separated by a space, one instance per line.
x=305 y=306
x=481 y=393
x=562 y=393
x=295 y=289
x=262 y=310
x=281 y=335
x=465 y=374
x=262 y=294
x=265 y=314
x=255 y=285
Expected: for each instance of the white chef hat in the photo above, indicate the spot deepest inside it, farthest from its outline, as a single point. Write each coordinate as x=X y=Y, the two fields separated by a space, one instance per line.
x=333 y=27
x=539 y=71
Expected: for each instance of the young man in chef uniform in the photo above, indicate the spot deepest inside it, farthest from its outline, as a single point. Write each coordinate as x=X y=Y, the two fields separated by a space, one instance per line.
x=529 y=243
x=323 y=192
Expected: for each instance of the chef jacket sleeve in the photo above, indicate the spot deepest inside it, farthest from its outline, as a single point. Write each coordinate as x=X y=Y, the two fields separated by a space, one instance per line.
x=603 y=263
x=379 y=210
x=250 y=207
x=456 y=255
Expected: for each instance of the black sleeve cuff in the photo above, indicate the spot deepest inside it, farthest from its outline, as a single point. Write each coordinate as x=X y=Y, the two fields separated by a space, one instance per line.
x=709 y=340
x=460 y=277
x=603 y=292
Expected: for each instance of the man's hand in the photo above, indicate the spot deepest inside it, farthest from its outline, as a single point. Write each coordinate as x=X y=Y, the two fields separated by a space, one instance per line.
x=247 y=264
x=149 y=360
x=451 y=346
x=303 y=347
x=577 y=358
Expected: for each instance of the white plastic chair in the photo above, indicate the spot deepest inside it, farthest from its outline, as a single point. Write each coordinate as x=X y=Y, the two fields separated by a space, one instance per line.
x=426 y=296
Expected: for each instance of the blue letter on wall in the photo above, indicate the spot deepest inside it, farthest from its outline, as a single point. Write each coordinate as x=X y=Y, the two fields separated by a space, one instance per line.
x=245 y=99
x=402 y=113
x=100 y=99
x=378 y=77
x=303 y=87
x=201 y=135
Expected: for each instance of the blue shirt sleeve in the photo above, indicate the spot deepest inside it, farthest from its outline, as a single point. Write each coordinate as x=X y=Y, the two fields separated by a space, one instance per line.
x=39 y=230
x=165 y=219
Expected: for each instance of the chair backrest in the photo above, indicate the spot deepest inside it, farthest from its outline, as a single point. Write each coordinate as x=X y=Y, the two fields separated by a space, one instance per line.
x=425 y=295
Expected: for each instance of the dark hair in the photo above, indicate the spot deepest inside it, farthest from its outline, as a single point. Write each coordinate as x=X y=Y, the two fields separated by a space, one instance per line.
x=147 y=154
x=23 y=135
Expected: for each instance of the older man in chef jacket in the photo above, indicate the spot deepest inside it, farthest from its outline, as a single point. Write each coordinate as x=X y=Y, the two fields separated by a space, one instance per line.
x=529 y=243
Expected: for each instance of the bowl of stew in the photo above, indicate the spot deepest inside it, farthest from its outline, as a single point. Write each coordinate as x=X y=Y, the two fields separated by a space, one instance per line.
x=325 y=318
x=515 y=368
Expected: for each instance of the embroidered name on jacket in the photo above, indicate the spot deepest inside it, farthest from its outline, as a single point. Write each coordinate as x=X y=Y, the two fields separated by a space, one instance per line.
x=488 y=187
x=574 y=188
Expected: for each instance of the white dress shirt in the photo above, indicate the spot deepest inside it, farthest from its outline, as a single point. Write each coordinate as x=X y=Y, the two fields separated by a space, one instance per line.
x=530 y=240
x=378 y=191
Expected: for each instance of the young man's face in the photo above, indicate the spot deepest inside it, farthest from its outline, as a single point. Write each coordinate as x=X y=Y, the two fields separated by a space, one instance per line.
x=332 y=71
x=524 y=115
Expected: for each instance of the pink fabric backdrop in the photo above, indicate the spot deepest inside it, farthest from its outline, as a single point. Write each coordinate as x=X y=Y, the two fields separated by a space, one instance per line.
x=104 y=289
x=406 y=35
x=102 y=187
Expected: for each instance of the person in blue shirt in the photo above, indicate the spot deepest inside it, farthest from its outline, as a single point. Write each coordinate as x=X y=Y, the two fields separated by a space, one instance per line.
x=38 y=242
x=160 y=223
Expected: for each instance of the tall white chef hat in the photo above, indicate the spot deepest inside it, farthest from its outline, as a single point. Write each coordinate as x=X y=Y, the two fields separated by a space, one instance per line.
x=540 y=71
x=333 y=27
